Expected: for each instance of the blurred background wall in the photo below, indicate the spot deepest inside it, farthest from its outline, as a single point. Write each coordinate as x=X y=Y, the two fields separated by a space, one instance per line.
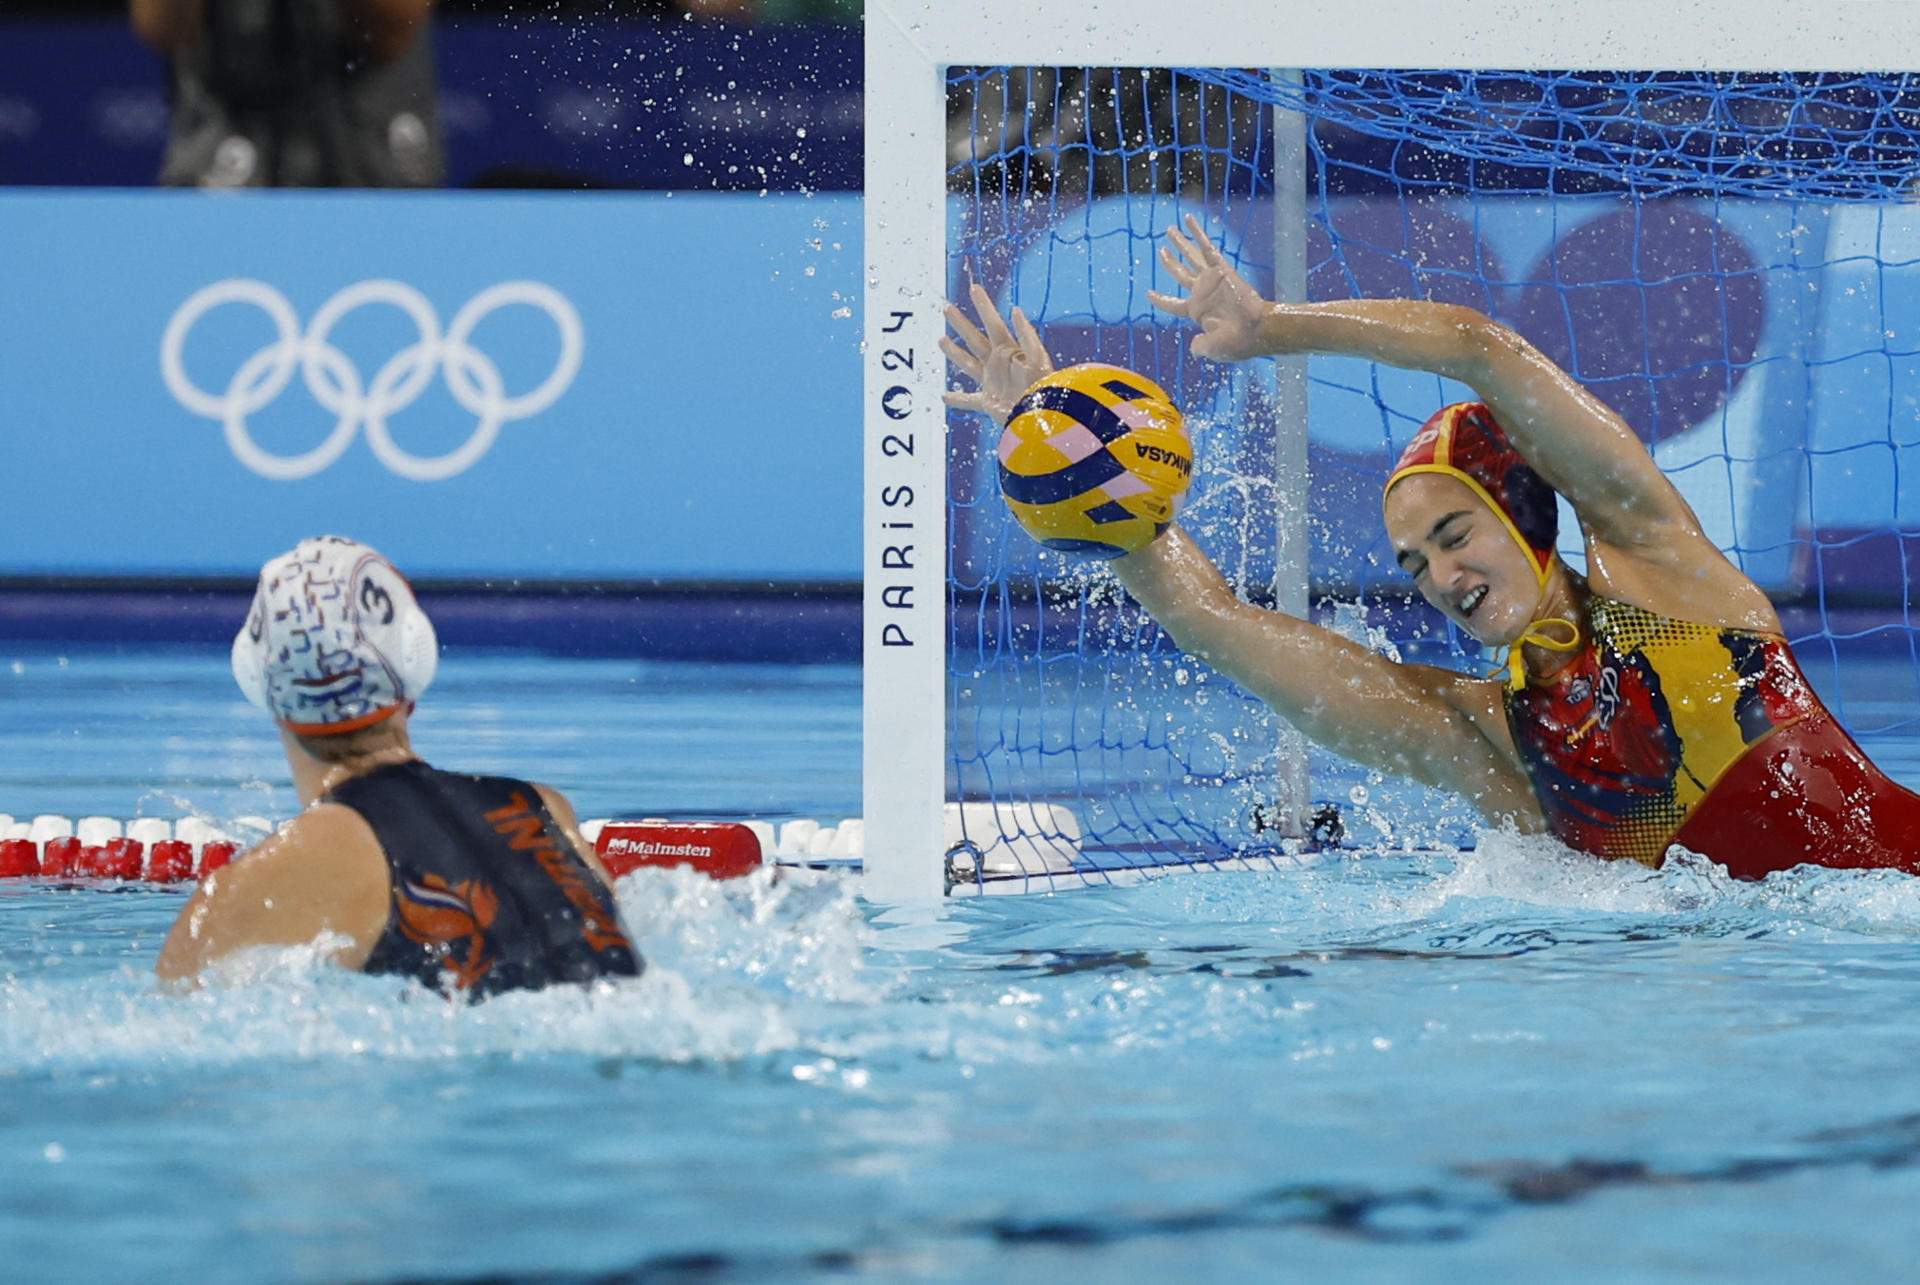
x=599 y=392
x=741 y=95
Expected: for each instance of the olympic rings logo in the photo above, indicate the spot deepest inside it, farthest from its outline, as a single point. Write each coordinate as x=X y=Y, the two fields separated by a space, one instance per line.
x=336 y=383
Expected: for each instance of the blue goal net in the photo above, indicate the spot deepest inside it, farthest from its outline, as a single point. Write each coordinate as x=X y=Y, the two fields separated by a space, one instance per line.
x=1731 y=261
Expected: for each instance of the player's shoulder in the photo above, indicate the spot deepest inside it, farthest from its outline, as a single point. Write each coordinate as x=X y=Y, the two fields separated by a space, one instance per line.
x=1689 y=579
x=1469 y=693
x=561 y=810
x=328 y=841
x=325 y=824
x=558 y=805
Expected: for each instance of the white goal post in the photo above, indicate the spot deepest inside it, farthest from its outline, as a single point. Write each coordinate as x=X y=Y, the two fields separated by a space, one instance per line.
x=909 y=46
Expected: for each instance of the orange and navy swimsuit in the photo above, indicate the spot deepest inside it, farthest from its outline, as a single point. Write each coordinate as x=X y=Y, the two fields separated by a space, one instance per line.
x=1664 y=732
x=489 y=894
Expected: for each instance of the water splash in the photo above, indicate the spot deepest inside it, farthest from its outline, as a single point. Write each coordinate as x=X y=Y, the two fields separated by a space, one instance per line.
x=735 y=972
x=1536 y=870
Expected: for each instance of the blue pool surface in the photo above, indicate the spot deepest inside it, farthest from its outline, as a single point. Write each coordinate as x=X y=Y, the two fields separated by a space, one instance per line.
x=1497 y=1064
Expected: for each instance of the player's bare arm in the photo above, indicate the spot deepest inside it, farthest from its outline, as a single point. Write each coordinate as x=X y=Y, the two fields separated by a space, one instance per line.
x=1645 y=544
x=1435 y=726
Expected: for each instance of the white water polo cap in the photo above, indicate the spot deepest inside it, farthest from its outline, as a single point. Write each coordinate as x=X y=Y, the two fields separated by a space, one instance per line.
x=334 y=641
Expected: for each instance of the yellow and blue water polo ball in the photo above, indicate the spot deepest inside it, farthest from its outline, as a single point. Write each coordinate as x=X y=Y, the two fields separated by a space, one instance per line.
x=1094 y=460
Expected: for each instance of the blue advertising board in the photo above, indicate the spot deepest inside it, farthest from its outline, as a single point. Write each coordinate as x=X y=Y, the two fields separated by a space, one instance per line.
x=555 y=386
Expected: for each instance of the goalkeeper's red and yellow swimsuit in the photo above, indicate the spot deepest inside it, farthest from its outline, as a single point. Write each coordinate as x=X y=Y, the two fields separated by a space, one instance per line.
x=1662 y=732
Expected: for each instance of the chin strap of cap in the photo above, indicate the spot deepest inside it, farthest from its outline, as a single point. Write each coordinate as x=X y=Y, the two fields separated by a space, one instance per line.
x=1535 y=633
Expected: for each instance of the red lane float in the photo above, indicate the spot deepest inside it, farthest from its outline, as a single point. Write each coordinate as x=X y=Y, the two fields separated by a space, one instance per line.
x=19 y=859
x=59 y=857
x=120 y=858
x=115 y=859
x=171 y=861
x=719 y=849
x=215 y=855
x=156 y=850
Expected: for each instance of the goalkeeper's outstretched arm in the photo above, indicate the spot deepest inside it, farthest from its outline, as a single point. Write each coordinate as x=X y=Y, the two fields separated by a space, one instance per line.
x=1583 y=449
x=1435 y=726
x=1577 y=443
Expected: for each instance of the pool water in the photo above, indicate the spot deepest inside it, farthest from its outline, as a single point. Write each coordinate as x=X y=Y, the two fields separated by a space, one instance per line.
x=1494 y=1063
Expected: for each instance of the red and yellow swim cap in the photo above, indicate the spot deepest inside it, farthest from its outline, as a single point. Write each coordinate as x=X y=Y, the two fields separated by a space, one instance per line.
x=1464 y=442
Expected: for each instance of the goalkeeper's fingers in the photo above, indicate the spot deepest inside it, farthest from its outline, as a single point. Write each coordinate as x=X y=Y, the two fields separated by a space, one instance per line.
x=968 y=363
x=1032 y=347
x=1173 y=303
x=1203 y=250
x=1175 y=266
x=1193 y=257
x=970 y=334
x=990 y=318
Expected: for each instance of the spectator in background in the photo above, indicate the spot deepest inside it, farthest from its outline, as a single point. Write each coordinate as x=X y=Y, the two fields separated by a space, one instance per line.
x=297 y=93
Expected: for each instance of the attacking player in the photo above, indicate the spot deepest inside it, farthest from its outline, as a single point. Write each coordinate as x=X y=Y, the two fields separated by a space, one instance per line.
x=471 y=884
x=1653 y=701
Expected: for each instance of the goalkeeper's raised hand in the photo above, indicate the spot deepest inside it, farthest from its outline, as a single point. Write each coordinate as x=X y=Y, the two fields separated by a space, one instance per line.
x=1228 y=311
x=1002 y=361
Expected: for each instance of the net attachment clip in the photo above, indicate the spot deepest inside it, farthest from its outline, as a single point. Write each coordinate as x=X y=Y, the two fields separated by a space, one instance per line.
x=994 y=841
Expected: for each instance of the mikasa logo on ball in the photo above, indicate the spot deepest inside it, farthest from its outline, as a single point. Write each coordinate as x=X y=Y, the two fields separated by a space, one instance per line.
x=338 y=386
x=1161 y=455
